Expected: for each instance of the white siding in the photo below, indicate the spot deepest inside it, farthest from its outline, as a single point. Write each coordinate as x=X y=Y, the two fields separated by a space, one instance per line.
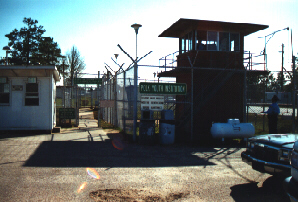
x=17 y=116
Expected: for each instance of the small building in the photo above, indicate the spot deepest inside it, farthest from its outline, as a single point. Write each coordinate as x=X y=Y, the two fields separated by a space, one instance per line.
x=27 y=98
x=210 y=62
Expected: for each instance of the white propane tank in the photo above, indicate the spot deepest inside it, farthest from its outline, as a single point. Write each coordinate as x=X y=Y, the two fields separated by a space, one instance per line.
x=167 y=133
x=232 y=129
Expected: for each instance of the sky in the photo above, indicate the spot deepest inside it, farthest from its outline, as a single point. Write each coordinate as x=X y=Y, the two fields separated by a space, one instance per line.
x=95 y=27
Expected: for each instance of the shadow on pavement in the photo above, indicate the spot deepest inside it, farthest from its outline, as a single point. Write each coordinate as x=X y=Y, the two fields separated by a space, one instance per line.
x=271 y=190
x=103 y=154
x=21 y=133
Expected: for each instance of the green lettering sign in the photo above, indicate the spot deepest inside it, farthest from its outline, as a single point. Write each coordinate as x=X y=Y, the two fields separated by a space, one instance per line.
x=67 y=113
x=163 y=88
x=87 y=80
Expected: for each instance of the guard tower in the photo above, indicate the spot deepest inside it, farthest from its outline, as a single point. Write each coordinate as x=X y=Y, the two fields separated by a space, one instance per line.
x=210 y=62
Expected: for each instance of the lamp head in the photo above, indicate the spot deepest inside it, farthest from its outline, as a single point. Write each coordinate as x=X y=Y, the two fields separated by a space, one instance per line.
x=136 y=27
x=6 y=48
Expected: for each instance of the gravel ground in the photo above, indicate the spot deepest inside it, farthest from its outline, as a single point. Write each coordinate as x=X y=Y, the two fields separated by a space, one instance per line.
x=54 y=168
x=54 y=171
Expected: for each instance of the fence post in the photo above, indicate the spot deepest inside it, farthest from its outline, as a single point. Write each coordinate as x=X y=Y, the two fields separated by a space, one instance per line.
x=247 y=111
x=192 y=100
x=115 y=98
x=98 y=100
x=245 y=97
x=91 y=89
x=264 y=116
x=123 y=113
x=135 y=100
x=77 y=106
x=294 y=94
x=264 y=101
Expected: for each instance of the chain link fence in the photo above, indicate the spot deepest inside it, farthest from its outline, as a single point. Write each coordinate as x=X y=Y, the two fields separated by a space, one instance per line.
x=76 y=97
x=215 y=90
x=117 y=98
x=259 y=99
x=218 y=94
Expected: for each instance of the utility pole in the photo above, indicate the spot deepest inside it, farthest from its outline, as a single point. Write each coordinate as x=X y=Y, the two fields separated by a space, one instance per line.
x=266 y=41
x=282 y=68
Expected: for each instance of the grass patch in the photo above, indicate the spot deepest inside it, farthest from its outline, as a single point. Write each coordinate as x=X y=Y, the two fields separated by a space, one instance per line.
x=260 y=123
x=106 y=125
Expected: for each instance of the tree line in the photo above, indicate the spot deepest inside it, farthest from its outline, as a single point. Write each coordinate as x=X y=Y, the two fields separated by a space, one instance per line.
x=270 y=82
x=30 y=47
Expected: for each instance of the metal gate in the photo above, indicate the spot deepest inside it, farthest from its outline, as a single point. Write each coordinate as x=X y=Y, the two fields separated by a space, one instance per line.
x=84 y=94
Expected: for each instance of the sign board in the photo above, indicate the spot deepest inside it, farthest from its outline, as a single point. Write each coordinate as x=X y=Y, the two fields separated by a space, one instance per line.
x=107 y=103
x=17 y=87
x=87 y=80
x=67 y=113
x=155 y=103
x=3 y=80
x=163 y=88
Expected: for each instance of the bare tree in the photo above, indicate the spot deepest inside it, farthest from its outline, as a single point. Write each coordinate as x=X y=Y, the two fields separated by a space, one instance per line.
x=76 y=64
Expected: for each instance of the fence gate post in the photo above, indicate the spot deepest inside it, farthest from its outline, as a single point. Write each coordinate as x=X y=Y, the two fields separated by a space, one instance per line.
x=135 y=113
x=294 y=94
x=77 y=105
x=123 y=113
x=245 y=96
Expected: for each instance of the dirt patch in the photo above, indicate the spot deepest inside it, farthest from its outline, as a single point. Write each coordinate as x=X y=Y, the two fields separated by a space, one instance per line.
x=130 y=195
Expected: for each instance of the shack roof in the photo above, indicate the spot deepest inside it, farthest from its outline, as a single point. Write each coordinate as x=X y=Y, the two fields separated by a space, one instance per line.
x=31 y=70
x=184 y=26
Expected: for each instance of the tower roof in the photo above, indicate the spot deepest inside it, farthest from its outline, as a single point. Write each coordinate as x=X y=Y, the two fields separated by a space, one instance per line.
x=184 y=26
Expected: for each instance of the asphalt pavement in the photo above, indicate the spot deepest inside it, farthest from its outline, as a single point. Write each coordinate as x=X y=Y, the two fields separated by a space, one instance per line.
x=88 y=163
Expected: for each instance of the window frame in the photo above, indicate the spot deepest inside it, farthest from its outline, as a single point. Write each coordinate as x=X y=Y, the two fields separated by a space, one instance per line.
x=6 y=82
x=222 y=43
x=32 y=96
x=187 y=42
x=230 y=42
x=200 y=40
x=208 y=41
x=191 y=40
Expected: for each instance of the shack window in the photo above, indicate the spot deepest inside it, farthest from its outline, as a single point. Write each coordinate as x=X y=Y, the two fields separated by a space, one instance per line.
x=4 y=93
x=183 y=45
x=190 y=41
x=187 y=42
x=212 y=41
x=224 y=41
x=31 y=97
x=234 y=42
x=201 y=38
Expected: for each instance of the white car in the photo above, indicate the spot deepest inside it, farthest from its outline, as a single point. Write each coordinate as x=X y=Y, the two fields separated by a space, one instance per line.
x=291 y=183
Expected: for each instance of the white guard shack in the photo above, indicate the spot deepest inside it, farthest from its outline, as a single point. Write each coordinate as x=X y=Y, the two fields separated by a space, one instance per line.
x=27 y=98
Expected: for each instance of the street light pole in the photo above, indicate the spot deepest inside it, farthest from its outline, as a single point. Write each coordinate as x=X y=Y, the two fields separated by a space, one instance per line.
x=266 y=41
x=116 y=56
x=7 y=49
x=136 y=28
